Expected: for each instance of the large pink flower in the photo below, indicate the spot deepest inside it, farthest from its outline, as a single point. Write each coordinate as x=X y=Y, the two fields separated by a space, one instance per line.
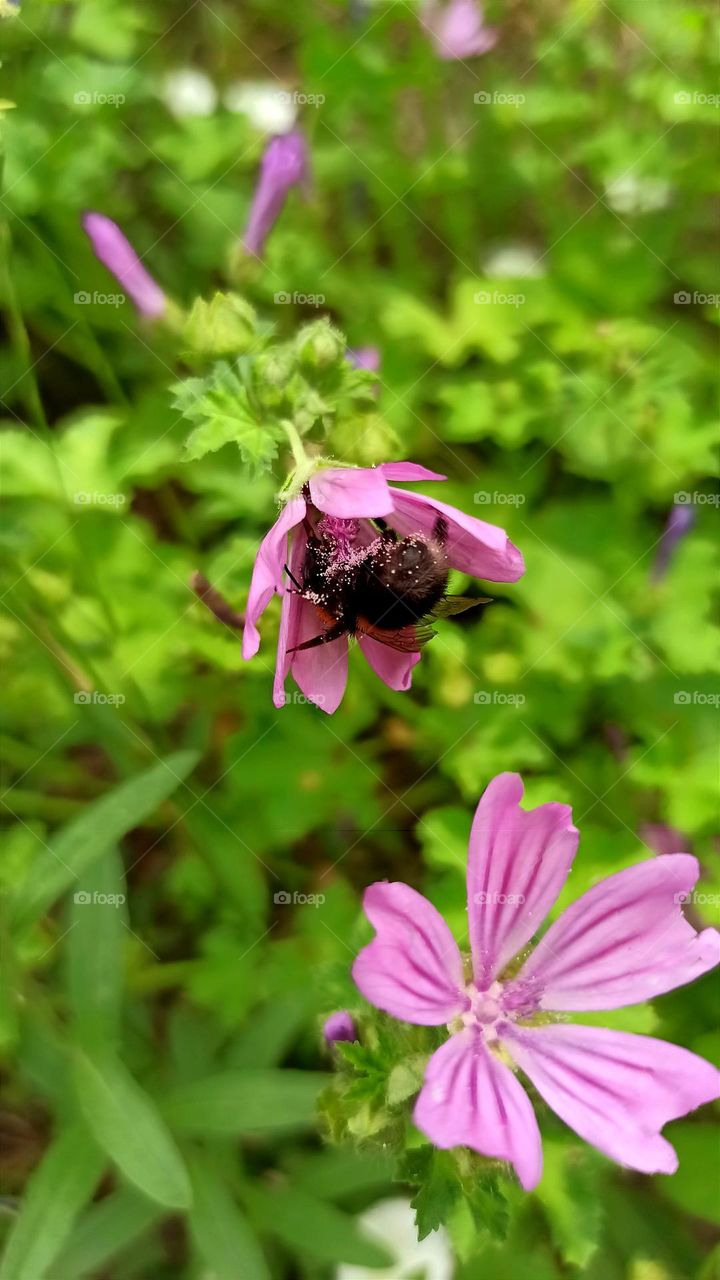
x=624 y=941
x=350 y=498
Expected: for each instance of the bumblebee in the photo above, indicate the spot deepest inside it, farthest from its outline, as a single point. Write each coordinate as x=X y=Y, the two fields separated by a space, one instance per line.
x=390 y=589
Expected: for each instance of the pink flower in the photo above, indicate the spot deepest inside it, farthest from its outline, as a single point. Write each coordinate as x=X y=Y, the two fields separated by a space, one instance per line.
x=624 y=941
x=365 y=358
x=284 y=165
x=458 y=29
x=116 y=253
x=340 y=504
x=339 y=1026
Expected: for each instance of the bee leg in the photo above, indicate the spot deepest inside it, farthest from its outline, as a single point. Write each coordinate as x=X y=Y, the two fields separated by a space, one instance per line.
x=325 y=638
x=293 y=579
x=440 y=531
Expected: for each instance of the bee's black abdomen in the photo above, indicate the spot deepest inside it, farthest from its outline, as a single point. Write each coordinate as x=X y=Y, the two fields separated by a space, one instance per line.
x=401 y=582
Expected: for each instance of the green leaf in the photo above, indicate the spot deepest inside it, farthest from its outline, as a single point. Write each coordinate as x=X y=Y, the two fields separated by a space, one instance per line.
x=104 y=1229
x=572 y=1200
x=439 y=1187
x=694 y=1186
x=61 y=864
x=220 y=1229
x=221 y=411
x=314 y=1227
x=126 y=1124
x=237 y=1102
x=96 y=933
x=62 y=1183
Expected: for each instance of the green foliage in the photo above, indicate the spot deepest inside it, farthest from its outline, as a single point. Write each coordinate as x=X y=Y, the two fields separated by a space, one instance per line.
x=535 y=275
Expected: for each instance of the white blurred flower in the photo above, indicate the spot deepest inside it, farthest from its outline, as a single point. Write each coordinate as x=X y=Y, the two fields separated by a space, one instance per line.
x=628 y=194
x=188 y=92
x=514 y=260
x=391 y=1223
x=266 y=104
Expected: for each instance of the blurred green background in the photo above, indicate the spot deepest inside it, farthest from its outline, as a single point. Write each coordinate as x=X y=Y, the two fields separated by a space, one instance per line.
x=161 y=1015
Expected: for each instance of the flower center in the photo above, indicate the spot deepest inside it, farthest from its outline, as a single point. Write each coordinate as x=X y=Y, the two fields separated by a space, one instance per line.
x=486 y=1009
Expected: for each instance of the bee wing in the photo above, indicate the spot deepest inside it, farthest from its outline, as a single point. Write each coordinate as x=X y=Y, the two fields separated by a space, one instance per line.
x=403 y=639
x=450 y=605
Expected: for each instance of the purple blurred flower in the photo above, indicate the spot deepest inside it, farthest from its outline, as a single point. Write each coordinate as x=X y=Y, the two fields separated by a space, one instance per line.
x=624 y=941
x=663 y=839
x=364 y=358
x=458 y=29
x=284 y=164
x=116 y=253
x=679 y=523
x=340 y=505
x=339 y=1026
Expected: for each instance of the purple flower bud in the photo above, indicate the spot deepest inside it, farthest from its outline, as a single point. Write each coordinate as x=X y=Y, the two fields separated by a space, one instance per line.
x=458 y=29
x=679 y=523
x=117 y=254
x=340 y=1026
x=284 y=165
x=365 y=358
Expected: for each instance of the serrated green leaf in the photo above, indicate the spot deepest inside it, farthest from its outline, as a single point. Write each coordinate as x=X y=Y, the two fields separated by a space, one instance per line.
x=62 y=1183
x=60 y=865
x=438 y=1187
x=220 y=408
x=127 y=1125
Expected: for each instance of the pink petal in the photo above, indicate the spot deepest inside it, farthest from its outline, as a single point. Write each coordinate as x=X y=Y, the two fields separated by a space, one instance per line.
x=624 y=941
x=473 y=546
x=413 y=968
x=400 y=471
x=393 y=668
x=351 y=492
x=615 y=1089
x=267 y=575
x=518 y=862
x=321 y=673
x=292 y=608
x=470 y=1099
